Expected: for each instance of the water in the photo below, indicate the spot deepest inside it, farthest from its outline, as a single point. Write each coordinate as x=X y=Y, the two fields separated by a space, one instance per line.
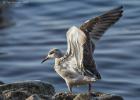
x=30 y=28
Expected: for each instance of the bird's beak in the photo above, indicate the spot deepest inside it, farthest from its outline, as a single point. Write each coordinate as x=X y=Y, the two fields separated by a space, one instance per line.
x=46 y=58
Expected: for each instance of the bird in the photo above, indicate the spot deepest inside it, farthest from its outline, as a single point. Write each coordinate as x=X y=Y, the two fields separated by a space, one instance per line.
x=77 y=66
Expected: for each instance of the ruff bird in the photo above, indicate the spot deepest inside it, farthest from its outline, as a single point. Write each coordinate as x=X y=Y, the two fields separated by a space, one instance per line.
x=77 y=66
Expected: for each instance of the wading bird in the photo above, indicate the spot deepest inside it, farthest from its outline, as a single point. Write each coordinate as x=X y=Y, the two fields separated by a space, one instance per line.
x=77 y=66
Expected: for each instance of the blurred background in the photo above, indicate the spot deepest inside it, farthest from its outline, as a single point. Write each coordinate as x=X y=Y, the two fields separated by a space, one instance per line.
x=30 y=28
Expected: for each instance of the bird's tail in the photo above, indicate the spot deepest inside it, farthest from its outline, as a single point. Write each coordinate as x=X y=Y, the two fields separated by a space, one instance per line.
x=98 y=76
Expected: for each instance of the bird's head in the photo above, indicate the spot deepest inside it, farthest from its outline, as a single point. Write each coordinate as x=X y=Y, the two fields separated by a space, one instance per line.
x=53 y=53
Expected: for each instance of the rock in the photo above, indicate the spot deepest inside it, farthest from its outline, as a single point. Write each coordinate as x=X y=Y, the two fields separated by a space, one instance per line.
x=15 y=95
x=6 y=13
x=30 y=90
x=105 y=96
x=33 y=87
x=1 y=97
x=45 y=97
x=86 y=96
x=63 y=96
x=34 y=97
x=4 y=4
x=38 y=90
x=39 y=97
x=83 y=97
x=1 y=83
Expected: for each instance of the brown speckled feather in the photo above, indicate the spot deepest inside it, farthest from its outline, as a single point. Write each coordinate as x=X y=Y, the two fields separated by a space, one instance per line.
x=77 y=66
x=81 y=42
x=98 y=25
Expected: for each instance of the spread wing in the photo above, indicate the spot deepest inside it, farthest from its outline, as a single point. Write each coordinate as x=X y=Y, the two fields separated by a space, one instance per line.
x=79 y=51
x=98 y=25
x=81 y=42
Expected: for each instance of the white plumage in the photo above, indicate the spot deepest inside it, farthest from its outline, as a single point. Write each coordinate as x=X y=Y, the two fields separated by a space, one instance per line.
x=77 y=66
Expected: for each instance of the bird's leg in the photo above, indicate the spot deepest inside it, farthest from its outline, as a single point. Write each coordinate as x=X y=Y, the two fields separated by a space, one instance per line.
x=89 y=90
x=69 y=87
x=89 y=87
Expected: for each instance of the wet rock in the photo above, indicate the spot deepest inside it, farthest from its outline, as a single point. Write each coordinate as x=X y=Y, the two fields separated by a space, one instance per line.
x=1 y=83
x=26 y=90
x=33 y=87
x=1 y=97
x=15 y=95
x=45 y=97
x=6 y=19
x=104 y=96
x=38 y=90
x=63 y=96
x=83 y=97
x=34 y=97
x=4 y=4
x=86 y=96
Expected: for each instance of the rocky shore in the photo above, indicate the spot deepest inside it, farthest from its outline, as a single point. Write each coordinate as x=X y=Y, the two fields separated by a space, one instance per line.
x=38 y=90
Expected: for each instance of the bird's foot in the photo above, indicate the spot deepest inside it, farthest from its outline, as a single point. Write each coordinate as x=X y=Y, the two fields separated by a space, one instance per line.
x=92 y=94
x=69 y=93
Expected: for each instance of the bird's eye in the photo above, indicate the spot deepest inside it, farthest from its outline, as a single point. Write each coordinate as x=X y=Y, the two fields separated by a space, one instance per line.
x=51 y=52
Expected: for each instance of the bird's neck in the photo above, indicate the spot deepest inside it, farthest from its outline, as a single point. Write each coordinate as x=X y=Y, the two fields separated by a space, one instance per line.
x=59 y=55
x=57 y=61
x=57 y=58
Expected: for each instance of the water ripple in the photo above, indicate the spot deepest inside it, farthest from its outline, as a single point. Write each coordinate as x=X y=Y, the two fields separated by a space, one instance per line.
x=39 y=26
